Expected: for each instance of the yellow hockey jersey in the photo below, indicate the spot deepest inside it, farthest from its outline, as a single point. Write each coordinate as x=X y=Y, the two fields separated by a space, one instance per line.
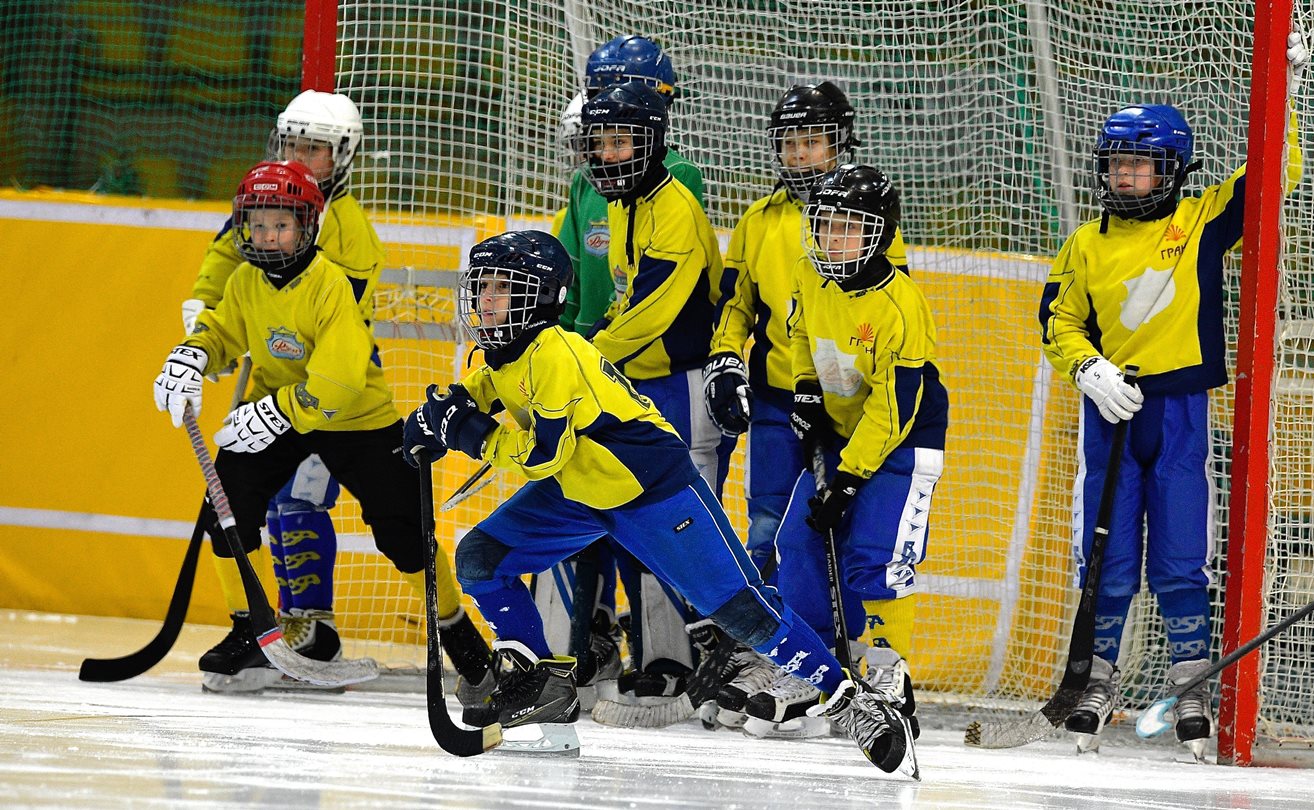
x=346 y=237
x=309 y=347
x=579 y=420
x=757 y=283
x=665 y=250
x=873 y=353
x=1151 y=293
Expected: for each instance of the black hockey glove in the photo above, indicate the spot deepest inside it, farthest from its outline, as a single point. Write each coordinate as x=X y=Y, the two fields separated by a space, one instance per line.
x=416 y=435
x=829 y=507
x=456 y=420
x=809 y=420
x=726 y=393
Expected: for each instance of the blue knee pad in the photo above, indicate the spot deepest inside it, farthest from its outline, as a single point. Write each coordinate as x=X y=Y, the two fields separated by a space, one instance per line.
x=477 y=557
x=746 y=618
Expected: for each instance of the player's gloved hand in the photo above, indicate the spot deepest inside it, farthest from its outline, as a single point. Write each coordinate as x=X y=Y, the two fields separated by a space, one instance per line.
x=179 y=382
x=456 y=420
x=252 y=426
x=190 y=309
x=1297 y=57
x=809 y=420
x=829 y=506
x=1102 y=382
x=726 y=394
x=416 y=436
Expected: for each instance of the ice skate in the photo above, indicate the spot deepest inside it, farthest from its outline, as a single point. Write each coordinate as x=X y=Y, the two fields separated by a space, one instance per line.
x=236 y=664
x=597 y=678
x=1096 y=705
x=878 y=728
x=755 y=673
x=717 y=666
x=529 y=690
x=470 y=657
x=781 y=710
x=888 y=676
x=1193 y=718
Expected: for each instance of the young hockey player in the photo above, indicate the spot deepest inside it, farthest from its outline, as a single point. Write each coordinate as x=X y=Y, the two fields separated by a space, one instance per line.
x=600 y=460
x=867 y=392
x=1143 y=285
x=584 y=231
x=318 y=389
x=657 y=332
x=811 y=132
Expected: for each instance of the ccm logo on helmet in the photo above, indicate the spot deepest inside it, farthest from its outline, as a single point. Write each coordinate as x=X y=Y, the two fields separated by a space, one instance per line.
x=264 y=186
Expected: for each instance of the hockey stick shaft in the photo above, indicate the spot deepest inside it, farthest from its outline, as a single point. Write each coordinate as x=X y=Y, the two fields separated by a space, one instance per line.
x=473 y=484
x=450 y=737
x=1081 y=644
x=103 y=670
x=832 y=568
x=267 y=631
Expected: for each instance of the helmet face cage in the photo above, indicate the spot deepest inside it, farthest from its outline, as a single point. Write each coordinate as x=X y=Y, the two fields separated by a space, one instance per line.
x=840 y=241
x=619 y=155
x=1167 y=169
x=274 y=187
x=497 y=304
x=799 y=178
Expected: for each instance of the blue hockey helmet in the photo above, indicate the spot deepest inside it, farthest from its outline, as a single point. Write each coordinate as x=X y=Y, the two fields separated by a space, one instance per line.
x=513 y=282
x=1155 y=131
x=630 y=58
x=624 y=137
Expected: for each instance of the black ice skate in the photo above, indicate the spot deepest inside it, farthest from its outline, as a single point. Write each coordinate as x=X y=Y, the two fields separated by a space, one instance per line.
x=236 y=664
x=754 y=673
x=1096 y=705
x=879 y=729
x=529 y=690
x=781 y=710
x=1192 y=714
x=470 y=657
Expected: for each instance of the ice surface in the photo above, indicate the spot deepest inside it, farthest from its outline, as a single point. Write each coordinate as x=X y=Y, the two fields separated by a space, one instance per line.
x=158 y=741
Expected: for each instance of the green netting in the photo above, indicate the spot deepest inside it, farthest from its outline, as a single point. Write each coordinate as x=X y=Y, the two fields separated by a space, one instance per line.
x=167 y=99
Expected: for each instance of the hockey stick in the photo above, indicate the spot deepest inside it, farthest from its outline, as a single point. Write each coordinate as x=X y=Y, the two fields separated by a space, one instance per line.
x=104 y=670
x=473 y=484
x=832 y=568
x=1153 y=721
x=267 y=631
x=1081 y=647
x=450 y=737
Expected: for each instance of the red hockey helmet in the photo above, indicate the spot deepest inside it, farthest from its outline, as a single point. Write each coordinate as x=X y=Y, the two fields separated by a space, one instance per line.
x=264 y=238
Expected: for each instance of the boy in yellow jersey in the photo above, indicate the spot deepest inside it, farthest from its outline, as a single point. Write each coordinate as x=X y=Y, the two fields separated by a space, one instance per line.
x=600 y=459
x=1143 y=285
x=316 y=390
x=811 y=132
x=867 y=392
x=657 y=333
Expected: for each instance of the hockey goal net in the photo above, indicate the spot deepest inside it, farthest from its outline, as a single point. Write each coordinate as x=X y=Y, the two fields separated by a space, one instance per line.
x=984 y=112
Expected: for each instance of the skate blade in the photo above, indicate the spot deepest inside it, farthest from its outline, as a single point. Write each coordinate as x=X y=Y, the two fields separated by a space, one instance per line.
x=1196 y=750
x=730 y=718
x=246 y=682
x=1087 y=743
x=541 y=739
x=800 y=728
x=909 y=767
x=707 y=715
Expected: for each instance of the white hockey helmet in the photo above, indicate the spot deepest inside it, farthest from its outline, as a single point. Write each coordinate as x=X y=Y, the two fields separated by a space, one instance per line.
x=570 y=130
x=330 y=118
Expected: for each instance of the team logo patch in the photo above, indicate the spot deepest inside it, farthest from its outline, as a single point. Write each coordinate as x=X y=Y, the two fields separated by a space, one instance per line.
x=1174 y=233
x=597 y=239
x=284 y=345
x=865 y=333
x=304 y=398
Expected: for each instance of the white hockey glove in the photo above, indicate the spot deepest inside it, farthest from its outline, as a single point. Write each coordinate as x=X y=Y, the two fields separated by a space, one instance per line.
x=179 y=382
x=1297 y=57
x=190 y=309
x=252 y=426
x=1102 y=382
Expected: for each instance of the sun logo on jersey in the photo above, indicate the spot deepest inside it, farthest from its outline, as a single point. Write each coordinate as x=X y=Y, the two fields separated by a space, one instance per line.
x=865 y=334
x=284 y=345
x=1174 y=233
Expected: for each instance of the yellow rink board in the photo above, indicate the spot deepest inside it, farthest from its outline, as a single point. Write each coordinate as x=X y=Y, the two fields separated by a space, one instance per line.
x=97 y=308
